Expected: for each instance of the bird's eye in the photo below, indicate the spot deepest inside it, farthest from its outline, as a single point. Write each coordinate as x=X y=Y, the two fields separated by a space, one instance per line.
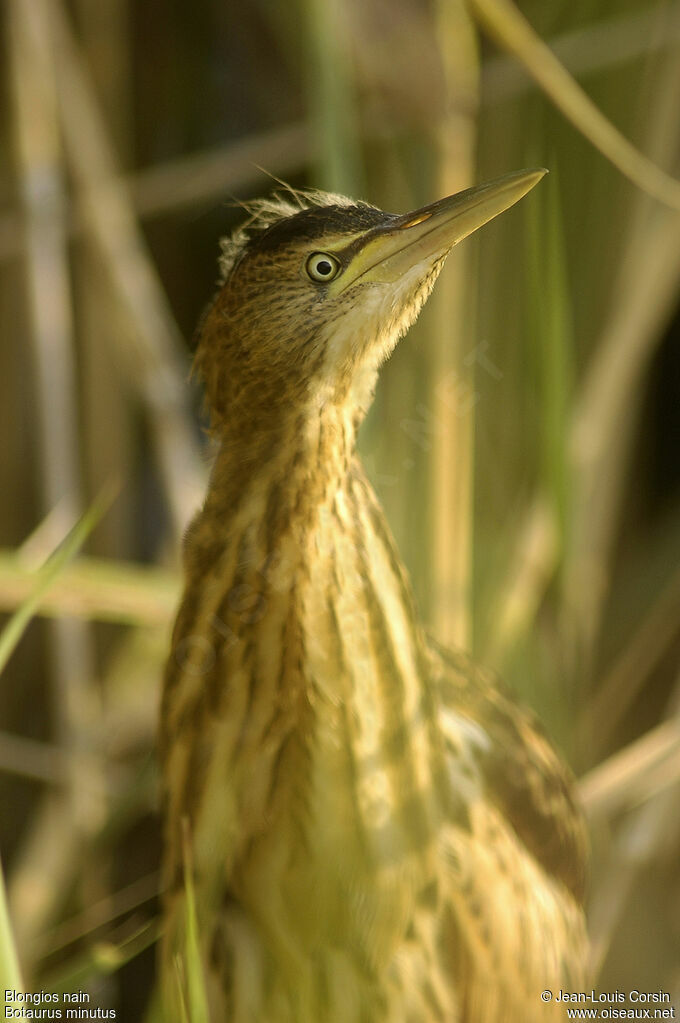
x=322 y=267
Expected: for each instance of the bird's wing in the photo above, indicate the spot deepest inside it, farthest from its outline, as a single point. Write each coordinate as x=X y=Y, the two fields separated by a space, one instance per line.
x=516 y=868
x=523 y=775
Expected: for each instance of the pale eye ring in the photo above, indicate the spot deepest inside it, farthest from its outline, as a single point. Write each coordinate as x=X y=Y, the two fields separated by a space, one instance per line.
x=322 y=267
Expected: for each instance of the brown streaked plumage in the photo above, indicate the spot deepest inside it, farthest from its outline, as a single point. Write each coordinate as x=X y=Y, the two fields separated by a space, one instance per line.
x=378 y=833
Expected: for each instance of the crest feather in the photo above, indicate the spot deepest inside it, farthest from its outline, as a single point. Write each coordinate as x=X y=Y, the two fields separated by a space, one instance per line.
x=264 y=213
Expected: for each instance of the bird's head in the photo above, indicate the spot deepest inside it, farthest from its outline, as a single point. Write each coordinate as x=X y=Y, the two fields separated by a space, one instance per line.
x=316 y=291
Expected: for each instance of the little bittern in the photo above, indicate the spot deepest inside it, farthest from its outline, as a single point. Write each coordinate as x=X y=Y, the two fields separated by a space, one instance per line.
x=376 y=833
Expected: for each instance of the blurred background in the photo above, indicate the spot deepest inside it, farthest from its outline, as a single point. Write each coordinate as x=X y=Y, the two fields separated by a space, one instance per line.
x=524 y=441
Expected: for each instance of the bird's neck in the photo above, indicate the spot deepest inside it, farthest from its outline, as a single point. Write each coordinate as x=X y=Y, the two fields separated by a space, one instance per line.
x=298 y=674
x=292 y=464
x=264 y=531
x=291 y=556
x=306 y=573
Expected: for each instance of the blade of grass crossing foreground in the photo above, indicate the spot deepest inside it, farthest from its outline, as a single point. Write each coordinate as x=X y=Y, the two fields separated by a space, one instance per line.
x=100 y=959
x=508 y=26
x=193 y=1000
x=72 y=543
x=10 y=975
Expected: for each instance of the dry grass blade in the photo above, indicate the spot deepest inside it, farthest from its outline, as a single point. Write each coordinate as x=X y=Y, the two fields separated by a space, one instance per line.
x=30 y=885
x=46 y=268
x=156 y=366
x=53 y=766
x=51 y=339
x=535 y=558
x=48 y=858
x=451 y=357
x=10 y=974
x=16 y=626
x=607 y=406
x=509 y=28
x=650 y=769
x=103 y=590
x=32 y=759
x=102 y=913
x=634 y=774
x=634 y=848
x=627 y=676
x=606 y=412
x=102 y=959
x=597 y=47
x=203 y=177
x=188 y=181
x=55 y=856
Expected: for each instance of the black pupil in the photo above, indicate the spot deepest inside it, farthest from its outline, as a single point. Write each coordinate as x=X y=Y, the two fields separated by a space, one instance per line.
x=324 y=267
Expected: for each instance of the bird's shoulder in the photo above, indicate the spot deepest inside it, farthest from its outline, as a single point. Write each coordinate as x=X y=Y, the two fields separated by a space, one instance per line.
x=523 y=776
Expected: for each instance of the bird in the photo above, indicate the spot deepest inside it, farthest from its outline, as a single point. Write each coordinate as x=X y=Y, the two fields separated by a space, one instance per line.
x=369 y=828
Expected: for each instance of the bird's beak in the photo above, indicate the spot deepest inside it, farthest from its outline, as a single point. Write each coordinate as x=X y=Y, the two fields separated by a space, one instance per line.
x=428 y=234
